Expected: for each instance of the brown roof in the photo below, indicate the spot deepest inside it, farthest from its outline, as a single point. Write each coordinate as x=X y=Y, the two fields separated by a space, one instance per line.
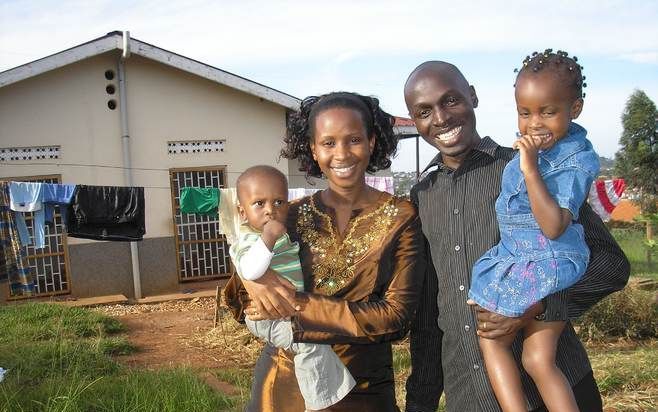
x=403 y=121
x=625 y=211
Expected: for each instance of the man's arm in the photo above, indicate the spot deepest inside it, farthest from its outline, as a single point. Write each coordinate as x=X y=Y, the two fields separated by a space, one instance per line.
x=607 y=272
x=425 y=384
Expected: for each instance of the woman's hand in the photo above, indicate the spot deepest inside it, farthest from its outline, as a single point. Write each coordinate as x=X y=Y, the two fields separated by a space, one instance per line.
x=272 y=297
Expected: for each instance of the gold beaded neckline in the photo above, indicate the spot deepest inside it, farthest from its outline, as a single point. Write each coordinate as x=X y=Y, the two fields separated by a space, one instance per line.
x=334 y=261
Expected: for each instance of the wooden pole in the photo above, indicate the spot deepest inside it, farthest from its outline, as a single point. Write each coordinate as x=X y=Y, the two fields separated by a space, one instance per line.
x=217 y=298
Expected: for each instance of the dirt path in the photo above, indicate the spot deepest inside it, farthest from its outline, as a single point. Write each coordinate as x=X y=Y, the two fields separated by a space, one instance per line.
x=180 y=333
x=162 y=337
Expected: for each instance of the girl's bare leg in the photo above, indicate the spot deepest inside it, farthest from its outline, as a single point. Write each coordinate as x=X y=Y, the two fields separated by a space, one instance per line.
x=503 y=373
x=539 y=348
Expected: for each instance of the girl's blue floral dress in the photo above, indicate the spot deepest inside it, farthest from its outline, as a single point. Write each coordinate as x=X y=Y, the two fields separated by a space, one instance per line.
x=526 y=266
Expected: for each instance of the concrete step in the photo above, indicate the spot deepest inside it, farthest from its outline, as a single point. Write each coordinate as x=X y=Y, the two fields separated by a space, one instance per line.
x=97 y=300
x=204 y=293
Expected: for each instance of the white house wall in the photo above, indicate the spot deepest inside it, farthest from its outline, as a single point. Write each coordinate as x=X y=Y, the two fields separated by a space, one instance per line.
x=65 y=107
x=68 y=107
x=166 y=104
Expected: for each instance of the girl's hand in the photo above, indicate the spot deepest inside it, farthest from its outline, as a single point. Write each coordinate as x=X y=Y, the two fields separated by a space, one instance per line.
x=528 y=148
x=272 y=297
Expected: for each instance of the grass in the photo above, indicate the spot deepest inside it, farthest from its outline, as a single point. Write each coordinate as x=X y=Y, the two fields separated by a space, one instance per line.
x=627 y=374
x=60 y=359
x=632 y=242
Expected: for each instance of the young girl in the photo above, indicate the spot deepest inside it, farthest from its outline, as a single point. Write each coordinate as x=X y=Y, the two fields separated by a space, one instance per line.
x=542 y=250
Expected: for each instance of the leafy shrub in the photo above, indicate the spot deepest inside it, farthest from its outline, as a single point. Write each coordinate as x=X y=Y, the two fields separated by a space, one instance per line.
x=621 y=224
x=631 y=313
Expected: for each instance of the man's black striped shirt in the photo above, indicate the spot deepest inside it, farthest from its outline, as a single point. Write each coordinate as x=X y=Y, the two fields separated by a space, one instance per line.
x=457 y=210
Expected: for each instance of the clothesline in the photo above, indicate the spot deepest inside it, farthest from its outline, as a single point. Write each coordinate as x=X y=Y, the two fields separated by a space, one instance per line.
x=91 y=212
x=152 y=169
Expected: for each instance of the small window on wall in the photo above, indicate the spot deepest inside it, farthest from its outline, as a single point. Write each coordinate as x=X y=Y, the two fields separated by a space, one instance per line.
x=21 y=154
x=195 y=146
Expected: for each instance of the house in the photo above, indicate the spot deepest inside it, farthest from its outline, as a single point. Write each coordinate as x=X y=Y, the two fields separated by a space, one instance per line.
x=116 y=111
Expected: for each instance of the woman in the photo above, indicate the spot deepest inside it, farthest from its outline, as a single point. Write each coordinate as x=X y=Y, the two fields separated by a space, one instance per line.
x=361 y=252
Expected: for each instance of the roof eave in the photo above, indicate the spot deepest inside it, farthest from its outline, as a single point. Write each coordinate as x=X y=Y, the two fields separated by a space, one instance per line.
x=61 y=59
x=212 y=73
x=113 y=41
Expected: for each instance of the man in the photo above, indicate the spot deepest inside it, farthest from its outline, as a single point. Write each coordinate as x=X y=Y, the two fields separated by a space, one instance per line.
x=456 y=206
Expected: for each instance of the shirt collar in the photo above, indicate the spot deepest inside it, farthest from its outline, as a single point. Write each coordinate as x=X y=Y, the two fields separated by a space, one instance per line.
x=486 y=146
x=572 y=143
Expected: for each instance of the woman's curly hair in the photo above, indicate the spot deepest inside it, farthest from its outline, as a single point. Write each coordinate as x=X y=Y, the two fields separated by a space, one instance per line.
x=300 y=130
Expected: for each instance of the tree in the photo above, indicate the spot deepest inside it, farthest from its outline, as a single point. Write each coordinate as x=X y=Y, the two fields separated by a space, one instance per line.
x=637 y=160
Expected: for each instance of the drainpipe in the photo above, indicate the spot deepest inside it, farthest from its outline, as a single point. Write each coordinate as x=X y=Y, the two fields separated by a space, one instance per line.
x=125 y=144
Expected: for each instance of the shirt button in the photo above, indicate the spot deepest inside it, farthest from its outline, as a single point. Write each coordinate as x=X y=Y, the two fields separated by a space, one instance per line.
x=457 y=248
x=467 y=328
x=455 y=211
x=461 y=287
x=476 y=367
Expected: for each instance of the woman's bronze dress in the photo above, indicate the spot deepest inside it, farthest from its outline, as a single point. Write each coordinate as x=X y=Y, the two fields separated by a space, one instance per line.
x=364 y=289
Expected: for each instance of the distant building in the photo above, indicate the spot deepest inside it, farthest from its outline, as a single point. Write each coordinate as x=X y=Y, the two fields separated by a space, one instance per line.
x=180 y=122
x=188 y=124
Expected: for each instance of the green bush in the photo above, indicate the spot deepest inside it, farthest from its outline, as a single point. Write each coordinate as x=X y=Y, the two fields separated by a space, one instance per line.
x=631 y=313
x=620 y=224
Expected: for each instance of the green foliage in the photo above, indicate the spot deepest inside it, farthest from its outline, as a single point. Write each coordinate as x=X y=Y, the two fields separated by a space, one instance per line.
x=621 y=224
x=632 y=243
x=631 y=313
x=637 y=159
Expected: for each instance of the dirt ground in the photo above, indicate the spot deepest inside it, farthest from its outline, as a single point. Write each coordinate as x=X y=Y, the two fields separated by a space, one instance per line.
x=181 y=333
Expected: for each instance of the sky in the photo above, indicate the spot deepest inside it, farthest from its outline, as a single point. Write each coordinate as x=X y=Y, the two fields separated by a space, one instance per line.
x=313 y=47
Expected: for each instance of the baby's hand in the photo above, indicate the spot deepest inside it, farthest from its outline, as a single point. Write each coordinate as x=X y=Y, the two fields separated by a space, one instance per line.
x=274 y=229
x=528 y=148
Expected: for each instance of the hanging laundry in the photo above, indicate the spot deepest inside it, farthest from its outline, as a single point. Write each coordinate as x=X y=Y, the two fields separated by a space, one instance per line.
x=200 y=200
x=40 y=198
x=210 y=200
x=56 y=195
x=299 y=192
x=27 y=197
x=383 y=183
x=229 y=220
x=604 y=196
x=107 y=213
x=12 y=260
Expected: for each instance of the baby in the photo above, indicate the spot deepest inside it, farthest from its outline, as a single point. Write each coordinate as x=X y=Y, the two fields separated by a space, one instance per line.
x=263 y=243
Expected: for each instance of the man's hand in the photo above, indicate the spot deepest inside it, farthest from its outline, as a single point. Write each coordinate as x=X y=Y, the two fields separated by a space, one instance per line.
x=272 y=297
x=492 y=325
